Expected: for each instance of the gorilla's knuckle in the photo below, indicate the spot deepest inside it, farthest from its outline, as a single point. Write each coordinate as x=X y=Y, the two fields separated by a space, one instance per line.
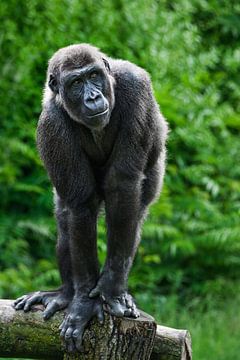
x=75 y=335
x=54 y=302
x=78 y=318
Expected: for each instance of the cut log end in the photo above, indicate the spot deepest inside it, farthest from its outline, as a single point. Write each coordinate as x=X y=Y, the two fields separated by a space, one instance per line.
x=171 y=344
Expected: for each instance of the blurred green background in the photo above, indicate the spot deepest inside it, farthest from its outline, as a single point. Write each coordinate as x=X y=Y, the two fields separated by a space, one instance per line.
x=186 y=273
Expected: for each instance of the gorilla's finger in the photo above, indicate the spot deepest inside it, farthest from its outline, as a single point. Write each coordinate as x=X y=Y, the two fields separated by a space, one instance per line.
x=75 y=333
x=128 y=313
x=115 y=308
x=78 y=340
x=100 y=314
x=129 y=301
x=68 y=333
x=62 y=333
x=62 y=325
x=70 y=345
x=20 y=305
x=133 y=313
x=50 y=310
x=19 y=300
x=31 y=301
x=94 y=292
x=134 y=308
x=136 y=313
x=63 y=329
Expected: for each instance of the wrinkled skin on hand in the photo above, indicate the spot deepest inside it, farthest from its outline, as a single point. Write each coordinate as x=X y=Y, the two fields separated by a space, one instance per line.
x=121 y=306
x=120 y=303
x=52 y=300
x=80 y=312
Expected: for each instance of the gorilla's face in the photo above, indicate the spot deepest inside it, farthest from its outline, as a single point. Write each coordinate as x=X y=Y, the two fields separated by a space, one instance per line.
x=87 y=94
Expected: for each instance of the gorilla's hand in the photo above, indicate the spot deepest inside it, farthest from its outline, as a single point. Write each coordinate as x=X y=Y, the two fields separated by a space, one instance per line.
x=80 y=312
x=118 y=305
x=52 y=300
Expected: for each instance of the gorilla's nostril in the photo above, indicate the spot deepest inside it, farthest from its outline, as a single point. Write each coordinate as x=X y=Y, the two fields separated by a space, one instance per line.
x=95 y=105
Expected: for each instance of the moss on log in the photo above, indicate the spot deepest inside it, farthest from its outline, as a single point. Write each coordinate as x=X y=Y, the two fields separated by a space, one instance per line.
x=27 y=335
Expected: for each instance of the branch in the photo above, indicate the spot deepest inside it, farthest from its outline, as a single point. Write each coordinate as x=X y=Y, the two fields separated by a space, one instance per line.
x=27 y=335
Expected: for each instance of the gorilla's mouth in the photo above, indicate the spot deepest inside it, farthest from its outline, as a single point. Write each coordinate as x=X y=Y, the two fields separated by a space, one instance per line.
x=98 y=113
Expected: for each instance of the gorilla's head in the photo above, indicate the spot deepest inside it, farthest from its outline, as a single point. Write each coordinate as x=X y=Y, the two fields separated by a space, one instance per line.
x=79 y=76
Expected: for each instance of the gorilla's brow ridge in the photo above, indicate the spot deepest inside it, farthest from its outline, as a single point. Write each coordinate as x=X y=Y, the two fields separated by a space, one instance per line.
x=69 y=75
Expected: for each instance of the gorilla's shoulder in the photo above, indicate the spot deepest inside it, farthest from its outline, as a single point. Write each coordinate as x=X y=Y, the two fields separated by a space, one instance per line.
x=129 y=75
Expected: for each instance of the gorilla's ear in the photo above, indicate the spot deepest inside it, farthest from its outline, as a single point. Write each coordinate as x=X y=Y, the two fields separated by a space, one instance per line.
x=52 y=83
x=107 y=66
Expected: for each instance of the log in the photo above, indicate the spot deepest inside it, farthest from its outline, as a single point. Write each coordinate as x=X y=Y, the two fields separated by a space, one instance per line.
x=171 y=344
x=26 y=335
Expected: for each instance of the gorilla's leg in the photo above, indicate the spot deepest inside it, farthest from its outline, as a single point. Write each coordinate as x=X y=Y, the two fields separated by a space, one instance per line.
x=126 y=209
x=123 y=240
x=85 y=269
x=56 y=299
x=123 y=216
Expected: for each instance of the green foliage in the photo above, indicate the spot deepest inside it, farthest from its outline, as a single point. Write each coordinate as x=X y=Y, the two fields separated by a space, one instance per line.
x=214 y=324
x=190 y=242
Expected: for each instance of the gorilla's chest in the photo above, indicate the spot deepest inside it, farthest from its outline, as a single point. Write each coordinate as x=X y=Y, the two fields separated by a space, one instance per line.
x=98 y=146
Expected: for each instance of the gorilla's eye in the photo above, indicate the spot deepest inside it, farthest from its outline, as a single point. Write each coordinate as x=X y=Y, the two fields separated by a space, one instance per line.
x=93 y=75
x=78 y=81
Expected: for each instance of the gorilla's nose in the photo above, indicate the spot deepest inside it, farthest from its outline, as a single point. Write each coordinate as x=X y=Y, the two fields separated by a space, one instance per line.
x=94 y=102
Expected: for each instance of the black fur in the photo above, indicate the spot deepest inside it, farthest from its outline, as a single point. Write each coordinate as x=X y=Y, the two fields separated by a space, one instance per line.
x=116 y=158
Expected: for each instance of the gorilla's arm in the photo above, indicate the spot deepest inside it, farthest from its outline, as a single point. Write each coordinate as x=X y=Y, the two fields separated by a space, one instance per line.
x=74 y=182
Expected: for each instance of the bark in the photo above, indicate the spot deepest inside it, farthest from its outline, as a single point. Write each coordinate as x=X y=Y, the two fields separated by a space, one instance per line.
x=27 y=335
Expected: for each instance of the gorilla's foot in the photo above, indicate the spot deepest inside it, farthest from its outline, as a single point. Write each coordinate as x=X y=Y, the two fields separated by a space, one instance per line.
x=52 y=300
x=120 y=306
x=81 y=311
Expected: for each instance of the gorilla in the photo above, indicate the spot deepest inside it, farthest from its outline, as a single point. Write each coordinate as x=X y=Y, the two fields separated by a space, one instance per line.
x=101 y=137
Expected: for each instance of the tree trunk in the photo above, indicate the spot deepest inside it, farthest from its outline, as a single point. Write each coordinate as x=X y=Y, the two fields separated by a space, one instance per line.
x=27 y=335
